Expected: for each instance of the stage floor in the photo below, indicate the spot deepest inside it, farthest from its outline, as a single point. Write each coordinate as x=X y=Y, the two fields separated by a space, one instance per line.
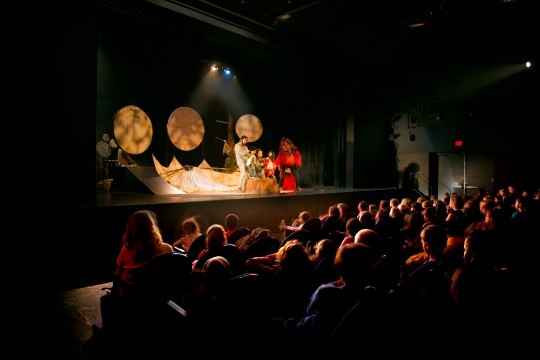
x=115 y=198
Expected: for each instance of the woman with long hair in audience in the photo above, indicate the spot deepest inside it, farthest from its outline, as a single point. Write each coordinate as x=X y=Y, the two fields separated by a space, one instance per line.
x=190 y=231
x=142 y=240
x=215 y=237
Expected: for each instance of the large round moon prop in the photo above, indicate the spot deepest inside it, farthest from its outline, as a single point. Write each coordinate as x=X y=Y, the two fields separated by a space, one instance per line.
x=185 y=128
x=132 y=130
x=249 y=125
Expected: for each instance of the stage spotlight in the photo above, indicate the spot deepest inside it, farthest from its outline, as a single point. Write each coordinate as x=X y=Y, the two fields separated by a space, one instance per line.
x=227 y=72
x=214 y=68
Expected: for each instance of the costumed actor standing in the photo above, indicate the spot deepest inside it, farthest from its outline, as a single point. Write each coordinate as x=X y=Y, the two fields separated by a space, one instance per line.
x=288 y=162
x=241 y=151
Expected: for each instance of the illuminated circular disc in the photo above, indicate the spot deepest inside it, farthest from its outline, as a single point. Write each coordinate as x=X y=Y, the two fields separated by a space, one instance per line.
x=249 y=125
x=133 y=130
x=185 y=128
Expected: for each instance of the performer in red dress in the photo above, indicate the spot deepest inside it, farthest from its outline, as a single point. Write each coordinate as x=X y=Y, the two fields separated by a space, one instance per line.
x=288 y=162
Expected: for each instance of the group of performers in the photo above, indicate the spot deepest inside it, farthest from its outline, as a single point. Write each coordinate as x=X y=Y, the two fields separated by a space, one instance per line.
x=251 y=163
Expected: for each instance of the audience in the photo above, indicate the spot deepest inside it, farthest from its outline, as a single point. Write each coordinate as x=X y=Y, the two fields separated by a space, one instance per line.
x=416 y=273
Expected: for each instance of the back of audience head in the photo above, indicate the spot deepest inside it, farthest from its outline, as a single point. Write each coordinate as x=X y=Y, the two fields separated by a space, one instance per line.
x=293 y=254
x=430 y=215
x=354 y=263
x=231 y=221
x=304 y=216
x=333 y=210
x=476 y=249
x=456 y=202
x=215 y=236
x=343 y=208
x=260 y=232
x=363 y=206
x=413 y=221
x=217 y=271
x=415 y=207
x=371 y=239
x=142 y=235
x=325 y=248
x=434 y=239
x=190 y=226
x=384 y=204
x=406 y=201
x=365 y=215
x=353 y=226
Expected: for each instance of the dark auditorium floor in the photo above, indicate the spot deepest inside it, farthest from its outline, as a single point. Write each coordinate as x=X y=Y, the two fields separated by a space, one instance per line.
x=59 y=326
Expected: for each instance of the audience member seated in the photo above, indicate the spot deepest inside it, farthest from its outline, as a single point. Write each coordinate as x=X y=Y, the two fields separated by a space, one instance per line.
x=367 y=220
x=214 y=237
x=409 y=234
x=261 y=247
x=313 y=225
x=353 y=226
x=330 y=223
x=190 y=231
x=289 y=274
x=344 y=215
x=424 y=293
x=231 y=223
x=330 y=303
x=207 y=307
x=386 y=270
x=224 y=309
x=197 y=245
x=296 y=224
x=323 y=259
x=489 y=300
x=244 y=242
x=216 y=245
x=142 y=240
x=237 y=234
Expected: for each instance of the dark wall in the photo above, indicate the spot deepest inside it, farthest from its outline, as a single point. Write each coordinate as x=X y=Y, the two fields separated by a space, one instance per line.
x=54 y=62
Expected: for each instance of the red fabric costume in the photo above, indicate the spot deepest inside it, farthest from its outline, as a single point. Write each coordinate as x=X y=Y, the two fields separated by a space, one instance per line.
x=288 y=158
x=269 y=166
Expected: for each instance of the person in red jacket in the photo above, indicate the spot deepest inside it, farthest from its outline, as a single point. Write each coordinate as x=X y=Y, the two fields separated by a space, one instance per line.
x=288 y=162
